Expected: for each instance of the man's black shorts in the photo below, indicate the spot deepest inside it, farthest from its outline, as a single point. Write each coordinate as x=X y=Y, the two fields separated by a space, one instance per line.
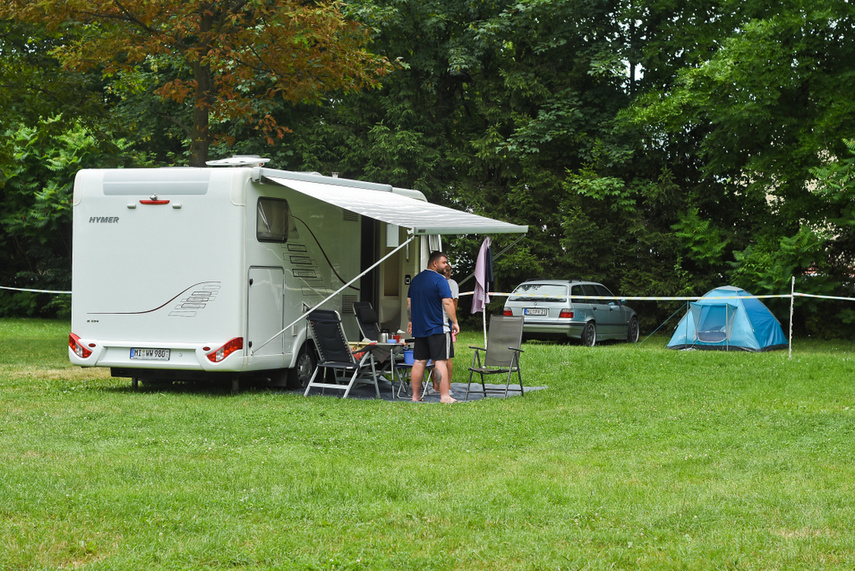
x=434 y=347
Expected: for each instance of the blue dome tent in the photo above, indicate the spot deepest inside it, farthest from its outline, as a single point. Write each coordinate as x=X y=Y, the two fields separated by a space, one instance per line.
x=741 y=323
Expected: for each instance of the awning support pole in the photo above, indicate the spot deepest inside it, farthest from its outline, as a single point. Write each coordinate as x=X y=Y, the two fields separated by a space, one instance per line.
x=332 y=295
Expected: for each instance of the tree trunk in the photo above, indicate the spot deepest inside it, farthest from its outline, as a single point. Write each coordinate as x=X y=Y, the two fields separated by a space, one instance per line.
x=200 y=133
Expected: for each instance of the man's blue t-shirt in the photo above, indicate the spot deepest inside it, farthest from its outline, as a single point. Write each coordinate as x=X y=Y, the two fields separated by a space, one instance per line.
x=427 y=290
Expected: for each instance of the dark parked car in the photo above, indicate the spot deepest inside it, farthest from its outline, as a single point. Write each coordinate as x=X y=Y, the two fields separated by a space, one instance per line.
x=551 y=310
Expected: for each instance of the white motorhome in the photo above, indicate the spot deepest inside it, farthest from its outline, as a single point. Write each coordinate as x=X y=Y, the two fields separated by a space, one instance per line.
x=185 y=273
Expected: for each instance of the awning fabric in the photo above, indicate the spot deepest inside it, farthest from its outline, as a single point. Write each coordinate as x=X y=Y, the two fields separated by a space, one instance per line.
x=387 y=206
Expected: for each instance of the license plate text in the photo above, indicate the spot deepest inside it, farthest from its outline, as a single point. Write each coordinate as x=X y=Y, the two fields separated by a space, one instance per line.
x=150 y=354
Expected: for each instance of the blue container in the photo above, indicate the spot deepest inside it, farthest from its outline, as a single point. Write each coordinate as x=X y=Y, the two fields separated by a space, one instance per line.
x=408 y=358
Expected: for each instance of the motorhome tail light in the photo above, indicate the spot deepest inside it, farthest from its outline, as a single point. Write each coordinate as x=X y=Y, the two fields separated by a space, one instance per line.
x=508 y=313
x=566 y=314
x=77 y=346
x=154 y=201
x=235 y=344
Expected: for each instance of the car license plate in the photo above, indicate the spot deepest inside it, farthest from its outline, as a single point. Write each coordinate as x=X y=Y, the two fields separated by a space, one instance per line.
x=150 y=354
x=536 y=311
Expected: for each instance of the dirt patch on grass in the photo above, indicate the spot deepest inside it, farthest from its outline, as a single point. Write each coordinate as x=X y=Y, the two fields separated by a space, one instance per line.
x=71 y=374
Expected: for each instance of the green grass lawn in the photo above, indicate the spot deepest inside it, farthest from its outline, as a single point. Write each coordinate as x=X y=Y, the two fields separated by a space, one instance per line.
x=633 y=457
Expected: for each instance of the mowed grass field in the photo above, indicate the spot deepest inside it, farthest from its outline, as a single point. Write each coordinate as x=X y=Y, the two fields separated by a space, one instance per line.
x=634 y=457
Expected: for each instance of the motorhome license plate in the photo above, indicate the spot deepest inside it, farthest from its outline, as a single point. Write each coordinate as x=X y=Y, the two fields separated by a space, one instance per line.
x=150 y=354
x=535 y=311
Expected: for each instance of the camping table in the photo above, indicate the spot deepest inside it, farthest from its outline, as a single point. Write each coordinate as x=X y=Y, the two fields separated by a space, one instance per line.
x=385 y=355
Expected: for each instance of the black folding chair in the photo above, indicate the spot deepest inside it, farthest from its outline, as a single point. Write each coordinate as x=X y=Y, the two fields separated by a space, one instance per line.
x=334 y=354
x=367 y=320
x=502 y=355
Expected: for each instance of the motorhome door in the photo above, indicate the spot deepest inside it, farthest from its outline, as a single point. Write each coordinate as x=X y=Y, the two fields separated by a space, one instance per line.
x=265 y=312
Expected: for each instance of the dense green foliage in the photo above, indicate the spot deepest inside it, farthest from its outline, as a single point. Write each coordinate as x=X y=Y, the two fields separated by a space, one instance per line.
x=660 y=147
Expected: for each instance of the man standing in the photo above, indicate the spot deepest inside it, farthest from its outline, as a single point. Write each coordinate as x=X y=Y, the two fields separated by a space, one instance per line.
x=455 y=297
x=432 y=321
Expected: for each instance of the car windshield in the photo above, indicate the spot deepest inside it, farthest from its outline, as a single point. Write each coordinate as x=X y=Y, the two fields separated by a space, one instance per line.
x=540 y=292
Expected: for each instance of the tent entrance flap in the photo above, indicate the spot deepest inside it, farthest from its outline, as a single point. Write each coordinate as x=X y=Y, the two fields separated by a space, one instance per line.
x=713 y=322
x=421 y=218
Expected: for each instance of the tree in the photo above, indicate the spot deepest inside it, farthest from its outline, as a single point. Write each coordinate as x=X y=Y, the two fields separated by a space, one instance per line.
x=33 y=85
x=745 y=125
x=506 y=109
x=493 y=103
x=224 y=59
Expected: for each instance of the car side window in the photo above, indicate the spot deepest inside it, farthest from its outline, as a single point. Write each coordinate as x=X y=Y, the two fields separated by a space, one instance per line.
x=604 y=292
x=588 y=289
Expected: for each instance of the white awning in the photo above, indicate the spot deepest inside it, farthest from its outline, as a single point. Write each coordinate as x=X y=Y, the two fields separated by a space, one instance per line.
x=388 y=206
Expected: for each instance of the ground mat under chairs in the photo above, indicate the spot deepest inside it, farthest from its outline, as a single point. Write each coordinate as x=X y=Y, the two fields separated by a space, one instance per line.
x=458 y=391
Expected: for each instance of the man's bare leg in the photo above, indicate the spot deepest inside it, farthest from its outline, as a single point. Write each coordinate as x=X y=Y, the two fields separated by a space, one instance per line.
x=418 y=374
x=441 y=368
x=450 y=365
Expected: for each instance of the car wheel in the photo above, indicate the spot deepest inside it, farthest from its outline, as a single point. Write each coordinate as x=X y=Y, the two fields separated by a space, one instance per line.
x=299 y=376
x=632 y=331
x=589 y=335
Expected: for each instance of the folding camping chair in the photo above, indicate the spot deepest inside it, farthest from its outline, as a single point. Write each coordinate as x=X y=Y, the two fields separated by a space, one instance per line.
x=334 y=353
x=367 y=320
x=502 y=355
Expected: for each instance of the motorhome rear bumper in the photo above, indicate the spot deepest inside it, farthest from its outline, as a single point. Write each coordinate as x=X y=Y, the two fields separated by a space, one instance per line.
x=181 y=358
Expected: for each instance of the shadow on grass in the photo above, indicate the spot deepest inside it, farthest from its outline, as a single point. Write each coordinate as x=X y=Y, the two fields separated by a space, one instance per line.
x=214 y=388
x=220 y=388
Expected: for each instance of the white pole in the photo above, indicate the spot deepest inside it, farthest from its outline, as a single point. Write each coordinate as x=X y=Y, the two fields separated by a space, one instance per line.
x=792 y=299
x=484 y=322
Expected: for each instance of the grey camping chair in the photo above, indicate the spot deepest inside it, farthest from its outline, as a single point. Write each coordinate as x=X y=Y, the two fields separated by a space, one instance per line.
x=502 y=355
x=366 y=319
x=334 y=354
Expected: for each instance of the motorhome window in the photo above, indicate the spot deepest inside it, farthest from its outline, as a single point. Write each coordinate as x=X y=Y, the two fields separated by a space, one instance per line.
x=272 y=220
